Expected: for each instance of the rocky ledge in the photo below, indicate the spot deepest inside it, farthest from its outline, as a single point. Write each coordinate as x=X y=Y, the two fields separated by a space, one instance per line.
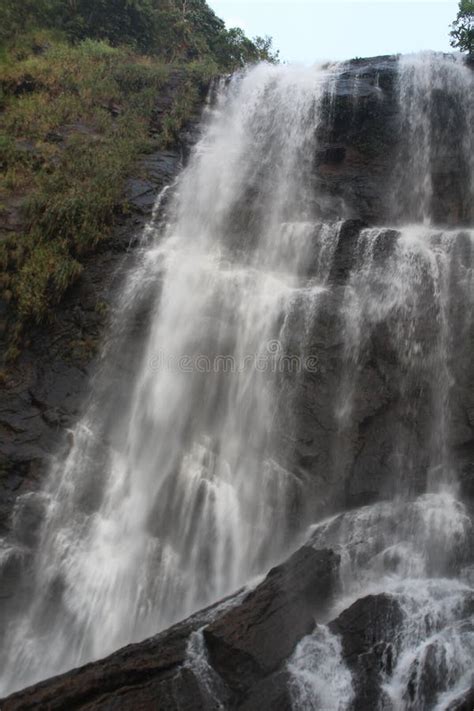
x=232 y=654
x=235 y=655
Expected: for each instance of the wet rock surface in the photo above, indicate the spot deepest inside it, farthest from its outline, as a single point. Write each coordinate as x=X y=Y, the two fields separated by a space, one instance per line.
x=354 y=162
x=242 y=665
x=368 y=631
x=465 y=703
x=234 y=655
x=254 y=639
x=358 y=149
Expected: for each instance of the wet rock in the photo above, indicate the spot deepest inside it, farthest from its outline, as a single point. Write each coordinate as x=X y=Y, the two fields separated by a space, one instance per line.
x=464 y=703
x=28 y=517
x=15 y=566
x=356 y=147
x=331 y=155
x=162 y=166
x=252 y=640
x=427 y=678
x=246 y=644
x=141 y=195
x=13 y=563
x=271 y=694
x=368 y=632
x=345 y=251
x=145 y=676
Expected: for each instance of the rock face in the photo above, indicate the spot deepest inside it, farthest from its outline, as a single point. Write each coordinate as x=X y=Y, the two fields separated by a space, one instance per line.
x=355 y=460
x=466 y=703
x=368 y=630
x=252 y=641
x=239 y=661
x=43 y=395
x=355 y=158
x=238 y=654
x=358 y=149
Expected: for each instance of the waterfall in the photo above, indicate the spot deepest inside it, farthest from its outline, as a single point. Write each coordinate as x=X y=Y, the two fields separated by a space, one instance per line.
x=170 y=497
x=185 y=477
x=436 y=119
x=412 y=286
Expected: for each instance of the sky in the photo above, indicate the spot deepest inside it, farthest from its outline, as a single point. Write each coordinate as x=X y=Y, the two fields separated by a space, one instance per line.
x=313 y=30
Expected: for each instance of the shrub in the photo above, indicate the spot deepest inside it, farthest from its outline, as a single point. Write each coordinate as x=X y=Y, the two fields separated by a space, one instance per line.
x=462 y=29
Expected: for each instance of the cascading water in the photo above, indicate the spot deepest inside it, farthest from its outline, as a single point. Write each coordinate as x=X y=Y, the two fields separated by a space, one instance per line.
x=418 y=283
x=437 y=130
x=172 y=499
x=180 y=485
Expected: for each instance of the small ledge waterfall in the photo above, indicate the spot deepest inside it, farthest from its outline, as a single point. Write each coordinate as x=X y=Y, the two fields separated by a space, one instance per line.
x=271 y=362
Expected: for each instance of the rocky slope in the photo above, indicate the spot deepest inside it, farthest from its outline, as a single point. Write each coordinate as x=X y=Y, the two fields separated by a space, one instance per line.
x=249 y=638
x=237 y=654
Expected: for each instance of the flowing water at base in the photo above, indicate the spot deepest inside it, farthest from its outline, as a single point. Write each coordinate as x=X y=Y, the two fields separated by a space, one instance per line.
x=403 y=550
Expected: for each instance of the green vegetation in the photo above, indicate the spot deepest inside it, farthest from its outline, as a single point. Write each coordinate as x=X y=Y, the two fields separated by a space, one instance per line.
x=171 y=29
x=79 y=81
x=462 y=29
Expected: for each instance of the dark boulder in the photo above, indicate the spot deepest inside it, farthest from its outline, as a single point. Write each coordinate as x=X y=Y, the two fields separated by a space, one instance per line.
x=252 y=640
x=149 y=675
x=345 y=251
x=368 y=632
x=464 y=703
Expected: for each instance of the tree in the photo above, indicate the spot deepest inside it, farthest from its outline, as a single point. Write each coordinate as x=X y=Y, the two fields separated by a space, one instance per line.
x=117 y=21
x=462 y=29
x=265 y=50
x=16 y=16
x=176 y=30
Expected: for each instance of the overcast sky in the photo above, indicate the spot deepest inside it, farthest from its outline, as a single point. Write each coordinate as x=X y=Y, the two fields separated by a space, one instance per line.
x=311 y=30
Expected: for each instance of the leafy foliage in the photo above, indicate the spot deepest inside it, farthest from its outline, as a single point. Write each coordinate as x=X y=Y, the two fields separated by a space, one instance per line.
x=462 y=29
x=64 y=153
x=71 y=189
x=172 y=29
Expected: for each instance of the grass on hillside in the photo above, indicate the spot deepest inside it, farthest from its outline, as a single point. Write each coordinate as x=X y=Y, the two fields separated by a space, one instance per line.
x=73 y=120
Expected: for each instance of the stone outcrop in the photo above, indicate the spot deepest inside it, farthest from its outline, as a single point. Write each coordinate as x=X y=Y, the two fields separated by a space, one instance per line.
x=241 y=663
x=465 y=703
x=354 y=161
x=253 y=640
x=234 y=655
x=368 y=631
x=358 y=149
